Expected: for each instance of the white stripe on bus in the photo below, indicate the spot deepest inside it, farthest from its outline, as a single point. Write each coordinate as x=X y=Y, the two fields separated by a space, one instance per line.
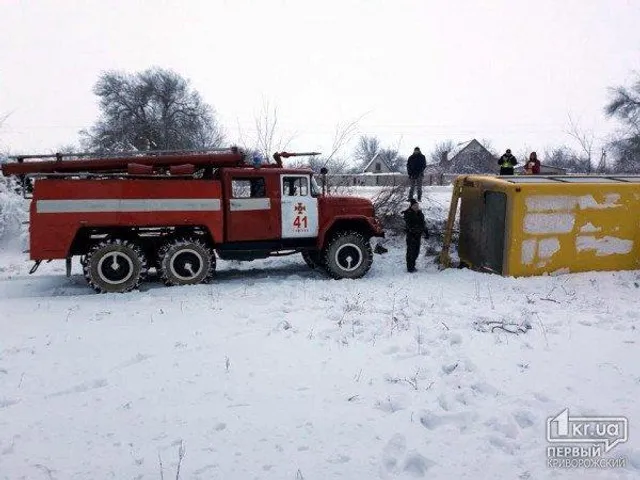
x=128 y=205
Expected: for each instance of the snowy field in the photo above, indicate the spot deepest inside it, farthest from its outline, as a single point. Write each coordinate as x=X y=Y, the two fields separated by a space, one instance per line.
x=274 y=371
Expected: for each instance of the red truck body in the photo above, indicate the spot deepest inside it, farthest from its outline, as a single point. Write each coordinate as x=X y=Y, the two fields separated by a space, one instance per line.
x=174 y=213
x=61 y=208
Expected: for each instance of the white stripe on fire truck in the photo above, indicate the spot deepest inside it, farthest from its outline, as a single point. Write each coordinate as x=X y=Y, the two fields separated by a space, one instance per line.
x=128 y=205
x=244 y=204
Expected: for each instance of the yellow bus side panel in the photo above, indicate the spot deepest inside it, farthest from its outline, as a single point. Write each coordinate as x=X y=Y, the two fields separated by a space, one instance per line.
x=554 y=228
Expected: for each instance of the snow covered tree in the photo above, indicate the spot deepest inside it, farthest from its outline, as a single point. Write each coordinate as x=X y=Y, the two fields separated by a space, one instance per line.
x=625 y=106
x=626 y=152
x=151 y=110
x=13 y=208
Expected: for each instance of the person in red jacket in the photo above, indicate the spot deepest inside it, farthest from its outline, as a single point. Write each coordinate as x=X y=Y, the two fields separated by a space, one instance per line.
x=533 y=164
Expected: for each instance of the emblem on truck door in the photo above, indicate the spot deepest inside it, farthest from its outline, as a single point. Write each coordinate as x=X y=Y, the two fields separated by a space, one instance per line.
x=299 y=208
x=301 y=222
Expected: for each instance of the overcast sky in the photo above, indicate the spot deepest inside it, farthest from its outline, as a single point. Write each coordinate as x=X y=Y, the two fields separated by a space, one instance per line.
x=414 y=72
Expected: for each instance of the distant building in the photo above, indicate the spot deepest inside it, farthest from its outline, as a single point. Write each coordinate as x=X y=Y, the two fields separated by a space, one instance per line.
x=377 y=165
x=469 y=157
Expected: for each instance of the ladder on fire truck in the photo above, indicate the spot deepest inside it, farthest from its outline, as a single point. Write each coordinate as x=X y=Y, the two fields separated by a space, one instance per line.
x=138 y=164
x=120 y=162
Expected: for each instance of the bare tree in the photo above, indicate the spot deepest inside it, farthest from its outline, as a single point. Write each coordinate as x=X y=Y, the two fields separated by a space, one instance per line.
x=334 y=161
x=387 y=202
x=439 y=154
x=343 y=134
x=268 y=139
x=521 y=153
x=366 y=150
x=585 y=140
x=337 y=165
x=3 y=118
x=488 y=144
x=151 y=110
x=393 y=159
x=369 y=147
x=566 y=158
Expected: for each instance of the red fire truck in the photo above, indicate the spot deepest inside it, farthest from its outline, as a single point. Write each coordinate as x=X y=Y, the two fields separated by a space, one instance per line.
x=175 y=211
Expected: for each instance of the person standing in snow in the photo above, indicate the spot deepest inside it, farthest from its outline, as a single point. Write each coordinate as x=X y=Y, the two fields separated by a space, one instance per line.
x=507 y=162
x=416 y=163
x=415 y=228
x=533 y=164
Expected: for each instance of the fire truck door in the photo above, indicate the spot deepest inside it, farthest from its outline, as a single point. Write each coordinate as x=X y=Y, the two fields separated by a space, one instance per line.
x=249 y=215
x=299 y=207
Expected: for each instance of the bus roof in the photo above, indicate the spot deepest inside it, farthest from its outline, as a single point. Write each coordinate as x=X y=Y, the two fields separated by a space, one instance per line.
x=556 y=179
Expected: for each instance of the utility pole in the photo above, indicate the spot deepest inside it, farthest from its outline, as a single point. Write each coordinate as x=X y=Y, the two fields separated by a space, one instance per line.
x=602 y=165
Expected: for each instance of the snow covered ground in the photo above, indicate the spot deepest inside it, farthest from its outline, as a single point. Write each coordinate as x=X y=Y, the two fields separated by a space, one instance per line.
x=274 y=371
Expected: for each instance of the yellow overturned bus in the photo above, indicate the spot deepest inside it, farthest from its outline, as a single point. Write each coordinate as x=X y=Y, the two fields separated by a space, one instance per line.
x=535 y=224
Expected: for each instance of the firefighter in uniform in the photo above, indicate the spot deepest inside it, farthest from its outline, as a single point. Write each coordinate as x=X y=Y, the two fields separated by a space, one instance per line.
x=415 y=227
x=507 y=162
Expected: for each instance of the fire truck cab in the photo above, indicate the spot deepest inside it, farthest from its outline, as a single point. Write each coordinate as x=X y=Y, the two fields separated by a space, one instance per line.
x=175 y=212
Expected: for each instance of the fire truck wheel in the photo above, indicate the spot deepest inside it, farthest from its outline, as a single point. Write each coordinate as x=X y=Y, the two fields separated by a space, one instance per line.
x=186 y=262
x=313 y=258
x=115 y=266
x=348 y=255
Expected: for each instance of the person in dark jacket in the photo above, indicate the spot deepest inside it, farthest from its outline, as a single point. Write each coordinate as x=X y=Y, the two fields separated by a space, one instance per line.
x=415 y=228
x=416 y=163
x=507 y=162
x=533 y=164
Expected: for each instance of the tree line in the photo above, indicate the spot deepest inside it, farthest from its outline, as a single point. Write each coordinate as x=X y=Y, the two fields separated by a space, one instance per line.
x=158 y=109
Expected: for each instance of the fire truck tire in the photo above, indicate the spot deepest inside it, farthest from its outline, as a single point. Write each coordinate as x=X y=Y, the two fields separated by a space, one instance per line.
x=348 y=255
x=186 y=262
x=115 y=266
x=313 y=259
